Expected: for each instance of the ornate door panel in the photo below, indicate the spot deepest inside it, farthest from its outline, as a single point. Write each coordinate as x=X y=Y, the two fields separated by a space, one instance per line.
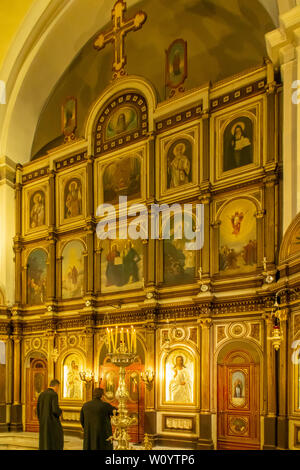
x=37 y=378
x=238 y=405
x=136 y=403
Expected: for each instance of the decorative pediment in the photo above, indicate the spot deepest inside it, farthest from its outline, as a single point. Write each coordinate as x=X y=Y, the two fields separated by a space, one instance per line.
x=123 y=122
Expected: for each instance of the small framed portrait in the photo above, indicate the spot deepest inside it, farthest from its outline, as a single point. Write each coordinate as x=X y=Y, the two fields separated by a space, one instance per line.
x=238 y=237
x=73 y=270
x=35 y=214
x=73 y=198
x=122 y=265
x=122 y=177
x=71 y=204
x=180 y=378
x=237 y=141
x=72 y=384
x=37 y=277
x=178 y=162
x=123 y=174
x=238 y=144
x=176 y=64
x=69 y=117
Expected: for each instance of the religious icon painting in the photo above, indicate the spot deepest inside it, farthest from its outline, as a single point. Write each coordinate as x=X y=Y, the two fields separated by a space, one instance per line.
x=110 y=387
x=71 y=204
x=37 y=277
x=122 y=177
x=180 y=378
x=122 y=265
x=122 y=121
x=176 y=65
x=178 y=163
x=238 y=237
x=37 y=209
x=134 y=384
x=238 y=144
x=69 y=118
x=35 y=203
x=73 y=270
x=72 y=384
x=179 y=263
x=73 y=198
x=238 y=389
x=237 y=141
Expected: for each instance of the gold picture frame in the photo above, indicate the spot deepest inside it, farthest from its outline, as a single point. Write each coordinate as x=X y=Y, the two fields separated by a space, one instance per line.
x=178 y=163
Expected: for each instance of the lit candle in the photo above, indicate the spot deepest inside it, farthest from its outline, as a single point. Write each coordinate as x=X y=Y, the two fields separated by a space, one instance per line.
x=128 y=341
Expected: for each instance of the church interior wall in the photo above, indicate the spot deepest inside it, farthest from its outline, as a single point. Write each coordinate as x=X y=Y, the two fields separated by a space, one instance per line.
x=68 y=295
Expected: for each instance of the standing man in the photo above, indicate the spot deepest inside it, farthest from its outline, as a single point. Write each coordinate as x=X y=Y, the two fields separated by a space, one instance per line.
x=95 y=419
x=48 y=413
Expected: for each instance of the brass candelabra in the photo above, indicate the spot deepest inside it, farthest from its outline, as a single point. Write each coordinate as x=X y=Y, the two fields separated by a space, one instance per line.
x=122 y=353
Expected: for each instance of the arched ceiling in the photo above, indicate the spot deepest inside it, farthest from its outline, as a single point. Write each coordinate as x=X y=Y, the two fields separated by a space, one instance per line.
x=54 y=32
x=12 y=13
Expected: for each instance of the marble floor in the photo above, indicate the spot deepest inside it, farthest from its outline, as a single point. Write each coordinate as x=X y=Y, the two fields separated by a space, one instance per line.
x=30 y=441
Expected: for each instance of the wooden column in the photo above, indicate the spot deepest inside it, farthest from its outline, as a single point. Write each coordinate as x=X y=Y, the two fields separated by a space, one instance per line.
x=16 y=410
x=260 y=238
x=97 y=271
x=270 y=377
x=51 y=199
x=90 y=260
x=4 y=427
x=17 y=239
x=90 y=185
x=9 y=378
x=282 y=420
x=205 y=252
x=51 y=274
x=270 y=220
x=150 y=413
x=205 y=439
x=215 y=247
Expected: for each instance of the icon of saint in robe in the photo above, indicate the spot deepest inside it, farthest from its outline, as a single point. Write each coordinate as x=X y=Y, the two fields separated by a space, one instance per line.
x=180 y=385
x=37 y=213
x=73 y=200
x=179 y=167
x=238 y=149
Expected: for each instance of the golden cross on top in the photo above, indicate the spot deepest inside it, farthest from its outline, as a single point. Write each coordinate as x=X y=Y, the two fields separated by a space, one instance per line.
x=121 y=27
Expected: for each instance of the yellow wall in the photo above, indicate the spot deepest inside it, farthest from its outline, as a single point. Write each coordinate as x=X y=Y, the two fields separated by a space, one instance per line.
x=12 y=13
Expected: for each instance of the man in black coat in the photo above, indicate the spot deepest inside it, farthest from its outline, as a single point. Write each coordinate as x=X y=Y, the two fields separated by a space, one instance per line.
x=95 y=419
x=48 y=413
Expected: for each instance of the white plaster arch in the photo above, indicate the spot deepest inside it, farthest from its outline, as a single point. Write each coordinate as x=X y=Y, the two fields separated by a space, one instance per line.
x=52 y=34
